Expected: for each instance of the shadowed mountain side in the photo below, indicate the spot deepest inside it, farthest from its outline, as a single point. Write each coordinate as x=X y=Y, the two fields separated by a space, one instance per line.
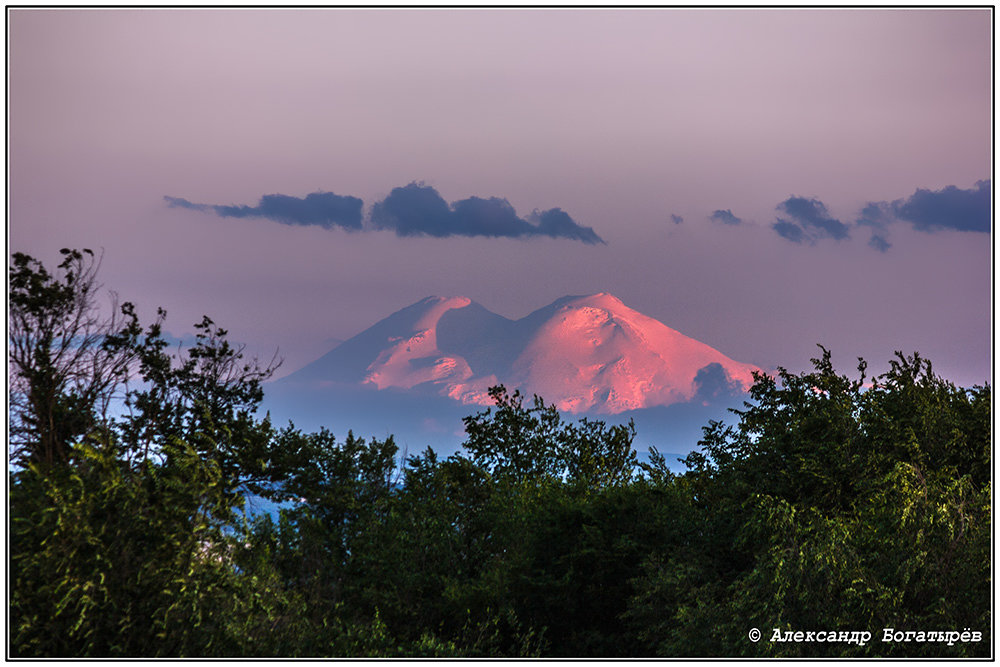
x=487 y=341
x=583 y=354
x=349 y=361
x=420 y=419
x=415 y=419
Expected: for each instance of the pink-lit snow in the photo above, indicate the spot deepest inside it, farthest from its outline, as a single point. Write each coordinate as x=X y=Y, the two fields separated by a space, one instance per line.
x=589 y=353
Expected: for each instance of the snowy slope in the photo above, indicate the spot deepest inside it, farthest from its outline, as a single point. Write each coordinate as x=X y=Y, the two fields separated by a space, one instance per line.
x=594 y=353
x=588 y=353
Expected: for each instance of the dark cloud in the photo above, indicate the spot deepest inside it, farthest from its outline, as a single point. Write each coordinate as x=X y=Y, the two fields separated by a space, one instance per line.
x=949 y=208
x=875 y=214
x=811 y=218
x=323 y=209
x=418 y=209
x=556 y=223
x=930 y=211
x=726 y=217
x=806 y=220
x=413 y=210
x=488 y=217
x=676 y=219
x=878 y=242
x=177 y=202
x=789 y=230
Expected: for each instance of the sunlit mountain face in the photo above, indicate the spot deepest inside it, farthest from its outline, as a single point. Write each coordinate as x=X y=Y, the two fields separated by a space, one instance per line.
x=583 y=354
x=417 y=373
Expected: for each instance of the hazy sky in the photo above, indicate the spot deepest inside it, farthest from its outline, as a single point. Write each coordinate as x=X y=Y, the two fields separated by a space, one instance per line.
x=760 y=179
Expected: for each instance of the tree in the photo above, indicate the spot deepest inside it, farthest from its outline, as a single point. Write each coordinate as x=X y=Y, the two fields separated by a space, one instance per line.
x=65 y=359
x=130 y=465
x=532 y=443
x=333 y=493
x=206 y=395
x=832 y=503
x=108 y=560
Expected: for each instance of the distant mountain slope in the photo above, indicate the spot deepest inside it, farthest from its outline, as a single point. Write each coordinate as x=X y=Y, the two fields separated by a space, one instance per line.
x=581 y=353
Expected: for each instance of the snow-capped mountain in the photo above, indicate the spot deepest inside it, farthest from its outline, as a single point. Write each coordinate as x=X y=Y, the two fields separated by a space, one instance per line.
x=581 y=353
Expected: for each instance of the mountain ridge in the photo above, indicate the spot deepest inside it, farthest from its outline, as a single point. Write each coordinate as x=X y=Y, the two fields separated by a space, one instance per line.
x=589 y=353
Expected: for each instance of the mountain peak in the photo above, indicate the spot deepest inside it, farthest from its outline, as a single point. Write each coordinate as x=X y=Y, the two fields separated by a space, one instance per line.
x=598 y=300
x=460 y=301
x=581 y=353
x=444 y=302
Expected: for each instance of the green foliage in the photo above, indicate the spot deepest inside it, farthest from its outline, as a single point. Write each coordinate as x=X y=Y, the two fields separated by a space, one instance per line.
x=520 y=443
x=434 y=560
x=334 y=493
x=109 y=560
x=123 y=527
x=832 y=504
x=63 y=361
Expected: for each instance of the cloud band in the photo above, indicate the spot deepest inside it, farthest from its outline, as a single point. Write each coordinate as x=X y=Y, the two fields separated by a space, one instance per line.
x=412 y=210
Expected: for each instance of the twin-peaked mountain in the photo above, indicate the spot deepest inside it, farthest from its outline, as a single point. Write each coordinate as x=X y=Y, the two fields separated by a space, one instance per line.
x=581 y=353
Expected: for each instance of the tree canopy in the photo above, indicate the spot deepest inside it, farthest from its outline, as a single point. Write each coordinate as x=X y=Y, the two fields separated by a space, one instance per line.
x=828 y=506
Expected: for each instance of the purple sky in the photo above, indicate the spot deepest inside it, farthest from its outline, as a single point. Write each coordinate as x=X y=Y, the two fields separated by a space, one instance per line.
x=766 y=132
